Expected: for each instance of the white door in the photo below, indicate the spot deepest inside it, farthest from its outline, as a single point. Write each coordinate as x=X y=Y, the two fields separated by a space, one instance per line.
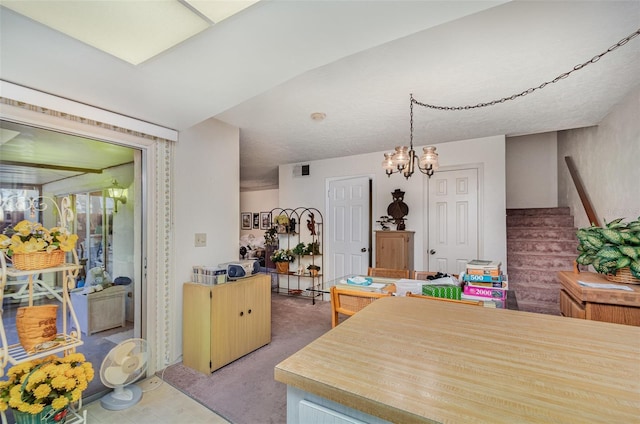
x=348 y=226
x=453 y=220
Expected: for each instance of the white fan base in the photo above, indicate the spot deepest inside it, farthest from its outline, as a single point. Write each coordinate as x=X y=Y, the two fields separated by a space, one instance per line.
x=121 y=398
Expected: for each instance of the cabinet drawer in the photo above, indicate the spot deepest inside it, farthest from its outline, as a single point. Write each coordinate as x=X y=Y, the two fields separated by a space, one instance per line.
x=571 y=308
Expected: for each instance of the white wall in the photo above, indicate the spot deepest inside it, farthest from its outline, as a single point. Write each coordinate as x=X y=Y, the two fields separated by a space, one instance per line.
x=532 y=171
x=256 y=202
x=489 y=151
x=206 y=200
x=607 y=159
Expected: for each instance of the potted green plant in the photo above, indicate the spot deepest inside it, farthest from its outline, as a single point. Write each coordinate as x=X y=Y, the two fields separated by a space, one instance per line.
x=300 y=249
x=613 y=250
x=313 y=248
x=271 y=237
x=282 y=258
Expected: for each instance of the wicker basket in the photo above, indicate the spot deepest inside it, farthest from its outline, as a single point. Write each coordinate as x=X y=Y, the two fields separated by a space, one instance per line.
x=37 y=260
x=623 y=275
x=36 y=325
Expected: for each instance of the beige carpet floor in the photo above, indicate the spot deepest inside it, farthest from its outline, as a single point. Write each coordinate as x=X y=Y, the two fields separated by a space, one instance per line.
x=245 y=392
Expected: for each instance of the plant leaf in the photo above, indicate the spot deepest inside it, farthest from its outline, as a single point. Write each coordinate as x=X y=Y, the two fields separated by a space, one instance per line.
x=585 y=259
x=612 y=235
x=623 y=262
x=615 y=223
x=595 y=242
x=609 y=253
x=634 y=266
x=630 y=251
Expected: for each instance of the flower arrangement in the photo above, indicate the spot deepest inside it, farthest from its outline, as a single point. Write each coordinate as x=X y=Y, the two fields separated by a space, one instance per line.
x=51 y=381
x=282 y=255
x=281 y=219
x=29 y=237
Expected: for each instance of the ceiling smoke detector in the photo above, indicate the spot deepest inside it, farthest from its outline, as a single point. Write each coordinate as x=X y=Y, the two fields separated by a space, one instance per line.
x=318 y=116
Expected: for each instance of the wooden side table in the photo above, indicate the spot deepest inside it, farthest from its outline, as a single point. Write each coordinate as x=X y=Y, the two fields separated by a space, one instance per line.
x=616 y=306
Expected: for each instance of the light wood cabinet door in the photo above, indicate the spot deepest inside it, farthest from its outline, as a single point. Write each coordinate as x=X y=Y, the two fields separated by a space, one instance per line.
x=569 y=307
x=256 y=321
x=223 y=322
x=394 y=249
x=196 y=326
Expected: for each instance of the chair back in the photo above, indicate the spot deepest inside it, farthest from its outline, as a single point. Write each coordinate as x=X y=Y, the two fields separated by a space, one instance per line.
x=388 y=272
x=442 y=299
x=348 y=302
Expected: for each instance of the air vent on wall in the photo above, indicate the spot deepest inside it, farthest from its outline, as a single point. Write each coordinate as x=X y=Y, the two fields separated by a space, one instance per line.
x=301 y=171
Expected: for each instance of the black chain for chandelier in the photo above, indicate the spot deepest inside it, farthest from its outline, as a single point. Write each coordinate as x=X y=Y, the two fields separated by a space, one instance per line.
x=531 y=90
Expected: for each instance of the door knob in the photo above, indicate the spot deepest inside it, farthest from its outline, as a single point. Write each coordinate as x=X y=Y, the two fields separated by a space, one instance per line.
x=432 y=251
x=364 y=249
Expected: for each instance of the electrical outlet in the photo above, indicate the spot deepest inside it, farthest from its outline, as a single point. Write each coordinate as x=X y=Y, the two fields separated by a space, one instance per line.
x=201 y=240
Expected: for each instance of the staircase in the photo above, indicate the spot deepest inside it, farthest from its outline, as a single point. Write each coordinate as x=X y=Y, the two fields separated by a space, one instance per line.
x=540 y=242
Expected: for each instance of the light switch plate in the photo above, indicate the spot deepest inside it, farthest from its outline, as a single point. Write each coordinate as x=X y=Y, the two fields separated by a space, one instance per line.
x=201 y=240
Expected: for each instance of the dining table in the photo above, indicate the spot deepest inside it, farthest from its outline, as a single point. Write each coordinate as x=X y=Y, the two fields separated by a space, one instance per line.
x=411 y=360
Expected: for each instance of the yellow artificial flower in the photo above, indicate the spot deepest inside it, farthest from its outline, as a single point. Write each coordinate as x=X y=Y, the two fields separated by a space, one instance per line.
x=59 y=382
x=59 y=403
x=71 y=384
x=74 y=357
x=47 y=381
x=68 y=243
x=75 y=395
x=42 y=391
x=23 y=227
x=37 y=376
x=34 y=409
x=31 y=245
x=4 y=241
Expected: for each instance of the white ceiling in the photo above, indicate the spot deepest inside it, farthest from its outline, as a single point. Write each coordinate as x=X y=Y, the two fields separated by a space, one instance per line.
x=266 y=69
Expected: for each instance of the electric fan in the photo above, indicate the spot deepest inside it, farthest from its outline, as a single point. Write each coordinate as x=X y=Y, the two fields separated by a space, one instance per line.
x=123 y=365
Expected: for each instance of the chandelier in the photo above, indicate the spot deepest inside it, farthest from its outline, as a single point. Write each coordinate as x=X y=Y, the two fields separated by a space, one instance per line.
x=403 y=159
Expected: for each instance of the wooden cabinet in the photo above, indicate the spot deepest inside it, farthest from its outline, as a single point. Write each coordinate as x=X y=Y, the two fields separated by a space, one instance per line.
x=617 y=306
x=223 y=322
x=394 y=249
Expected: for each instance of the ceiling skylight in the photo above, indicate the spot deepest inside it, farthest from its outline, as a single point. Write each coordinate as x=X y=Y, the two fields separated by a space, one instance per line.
x=133 y=31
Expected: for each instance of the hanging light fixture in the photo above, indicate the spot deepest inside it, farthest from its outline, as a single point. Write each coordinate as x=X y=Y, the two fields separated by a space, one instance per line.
x=403 y=159
x=116 y=192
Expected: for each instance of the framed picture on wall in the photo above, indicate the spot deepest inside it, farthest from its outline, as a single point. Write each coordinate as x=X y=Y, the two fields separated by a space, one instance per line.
x=256 y=221
x=245 y=220
x=265 y=220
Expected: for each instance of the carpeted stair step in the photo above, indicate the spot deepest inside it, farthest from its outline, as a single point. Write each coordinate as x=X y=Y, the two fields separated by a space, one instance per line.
x=540 y=242
x=538 y=211
x=538 y=246
x=544 y=291
x=548 y=262
x=540 y=221
x=539 y=307
x=534 y=233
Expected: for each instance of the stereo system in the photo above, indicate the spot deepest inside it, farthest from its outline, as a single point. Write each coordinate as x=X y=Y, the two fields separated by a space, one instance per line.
x=240 y=269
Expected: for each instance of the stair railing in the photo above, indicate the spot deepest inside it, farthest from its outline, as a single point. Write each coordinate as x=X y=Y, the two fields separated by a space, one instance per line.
x=584 y=197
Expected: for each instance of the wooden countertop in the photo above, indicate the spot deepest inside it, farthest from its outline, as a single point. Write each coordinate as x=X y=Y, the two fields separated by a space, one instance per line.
x=414 y=360
x=569 y=282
